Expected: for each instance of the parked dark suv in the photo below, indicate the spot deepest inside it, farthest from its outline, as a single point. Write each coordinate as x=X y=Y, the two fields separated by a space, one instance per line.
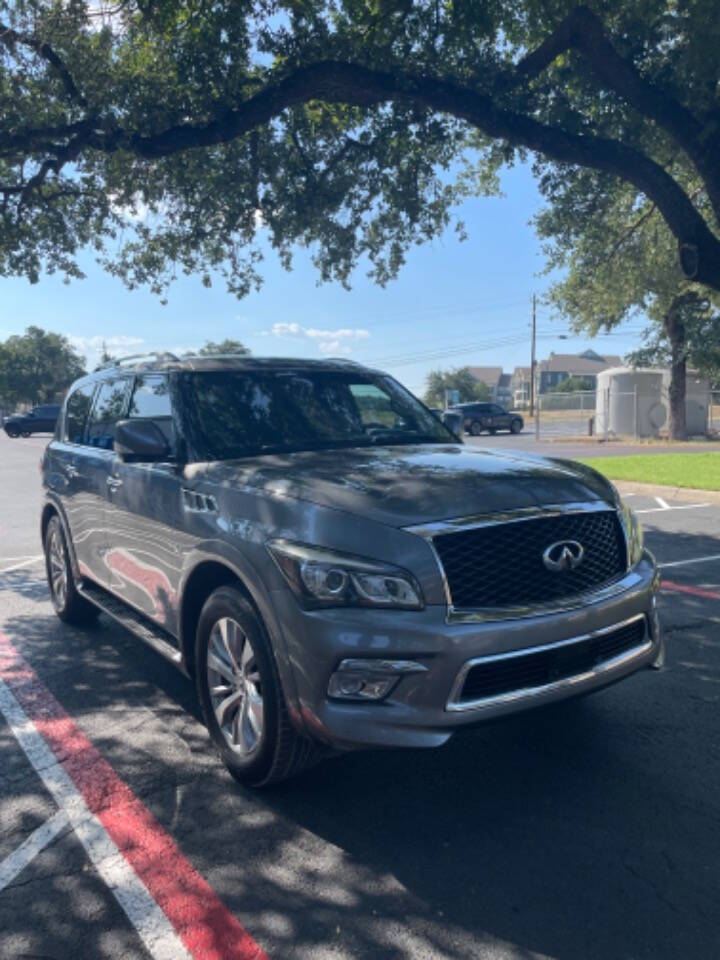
x=487 y=416
x=328 y=562
x=39 y=420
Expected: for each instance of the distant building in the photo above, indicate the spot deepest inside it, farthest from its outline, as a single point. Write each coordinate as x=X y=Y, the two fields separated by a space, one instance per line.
x=560 y=366
x=497 y=381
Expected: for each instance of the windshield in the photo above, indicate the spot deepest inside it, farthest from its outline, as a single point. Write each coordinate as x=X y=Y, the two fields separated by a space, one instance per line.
x=244 y=413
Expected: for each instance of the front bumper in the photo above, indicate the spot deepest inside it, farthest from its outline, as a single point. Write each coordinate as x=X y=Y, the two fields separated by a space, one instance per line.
x=419 y=711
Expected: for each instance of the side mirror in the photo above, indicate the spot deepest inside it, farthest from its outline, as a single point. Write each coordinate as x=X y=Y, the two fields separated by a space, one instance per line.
x=141 y=441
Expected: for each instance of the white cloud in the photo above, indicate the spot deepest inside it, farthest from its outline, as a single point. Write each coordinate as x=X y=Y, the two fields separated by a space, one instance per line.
x=329 y=342
x=117 y=345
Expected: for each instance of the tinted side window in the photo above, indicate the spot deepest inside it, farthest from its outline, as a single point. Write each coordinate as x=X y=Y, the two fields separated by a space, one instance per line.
x=76 y=413
x=151 y=401
x=110 y=406
x=374 y=405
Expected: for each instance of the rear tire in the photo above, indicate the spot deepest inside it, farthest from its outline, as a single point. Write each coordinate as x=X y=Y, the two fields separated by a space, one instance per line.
x=25 y=433
x=241 y=696
x=69 y=605
x=516 y=426
x=12 y=432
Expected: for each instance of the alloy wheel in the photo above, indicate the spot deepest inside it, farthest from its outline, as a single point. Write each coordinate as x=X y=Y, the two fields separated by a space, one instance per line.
x=58 y=568
x=235 y=686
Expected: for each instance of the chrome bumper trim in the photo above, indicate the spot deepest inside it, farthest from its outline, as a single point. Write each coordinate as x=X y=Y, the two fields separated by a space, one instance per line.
x=454 y=705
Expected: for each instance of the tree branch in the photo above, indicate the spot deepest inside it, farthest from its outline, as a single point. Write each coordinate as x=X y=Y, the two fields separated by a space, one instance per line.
x=628 y=234
x=353 y=84
x=583 y=30
x=349 y=83
x=10 y=37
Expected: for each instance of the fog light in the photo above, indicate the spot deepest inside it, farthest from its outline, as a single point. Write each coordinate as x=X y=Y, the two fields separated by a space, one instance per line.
x=369 y=679
x=351 y=687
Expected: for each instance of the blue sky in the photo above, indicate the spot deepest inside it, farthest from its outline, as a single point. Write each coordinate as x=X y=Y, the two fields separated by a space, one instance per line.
x=454 y=304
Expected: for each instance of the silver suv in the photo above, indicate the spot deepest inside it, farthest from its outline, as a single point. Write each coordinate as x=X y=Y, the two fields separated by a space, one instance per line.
x=332 y=566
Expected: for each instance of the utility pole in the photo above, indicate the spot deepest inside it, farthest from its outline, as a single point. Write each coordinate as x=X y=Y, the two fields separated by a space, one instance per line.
x=532 y=358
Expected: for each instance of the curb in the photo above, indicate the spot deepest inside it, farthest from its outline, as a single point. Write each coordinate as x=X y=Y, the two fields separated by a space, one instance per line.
x=676 y=493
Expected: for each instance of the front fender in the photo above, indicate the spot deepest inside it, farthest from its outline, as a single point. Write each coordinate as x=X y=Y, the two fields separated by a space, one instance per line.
x=220 y=551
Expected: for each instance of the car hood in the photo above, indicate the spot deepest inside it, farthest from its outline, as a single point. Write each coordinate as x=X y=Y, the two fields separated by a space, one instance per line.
x=402 y=486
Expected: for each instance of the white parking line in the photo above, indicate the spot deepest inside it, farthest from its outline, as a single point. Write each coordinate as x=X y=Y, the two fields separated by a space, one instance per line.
x=25 y=556
x=152 y=925
x=682 y=563
x=667 y=508
x=663 y=503
x=25 y=563
x=13 y=865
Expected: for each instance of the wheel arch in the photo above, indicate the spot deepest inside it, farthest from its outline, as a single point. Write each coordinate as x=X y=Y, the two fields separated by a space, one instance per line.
x=207 y=575
x=51 y=508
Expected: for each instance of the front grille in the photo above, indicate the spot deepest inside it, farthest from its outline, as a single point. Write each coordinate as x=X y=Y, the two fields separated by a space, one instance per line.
x=493 y=678
x=501 y=565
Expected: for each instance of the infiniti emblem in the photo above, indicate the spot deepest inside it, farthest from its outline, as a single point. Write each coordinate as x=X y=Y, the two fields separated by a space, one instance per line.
x=563 y=555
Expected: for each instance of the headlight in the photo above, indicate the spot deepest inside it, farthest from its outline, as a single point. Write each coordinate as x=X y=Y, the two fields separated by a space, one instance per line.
x=634 y=534
x=324 y=578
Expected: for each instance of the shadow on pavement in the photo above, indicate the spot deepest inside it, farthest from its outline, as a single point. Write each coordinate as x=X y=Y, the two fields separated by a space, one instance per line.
x=589 y=830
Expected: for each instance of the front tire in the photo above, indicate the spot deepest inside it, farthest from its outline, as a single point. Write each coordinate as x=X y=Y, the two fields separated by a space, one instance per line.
x=12 y=432
x=241 y=696
x=69 y=605
x=516 y=426
x=476 y=428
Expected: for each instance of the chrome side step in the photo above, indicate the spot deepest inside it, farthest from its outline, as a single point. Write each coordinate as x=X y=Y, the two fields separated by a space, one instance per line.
x=157 y=638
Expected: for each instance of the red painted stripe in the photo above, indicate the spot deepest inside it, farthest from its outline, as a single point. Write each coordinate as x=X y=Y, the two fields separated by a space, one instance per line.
x=202 y=921
x=673 y=587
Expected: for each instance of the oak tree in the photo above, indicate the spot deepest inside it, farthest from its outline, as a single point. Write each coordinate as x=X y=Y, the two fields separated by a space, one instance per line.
x=166 y=133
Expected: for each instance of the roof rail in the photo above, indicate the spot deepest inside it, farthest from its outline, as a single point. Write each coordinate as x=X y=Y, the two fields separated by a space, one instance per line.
x=119 y=361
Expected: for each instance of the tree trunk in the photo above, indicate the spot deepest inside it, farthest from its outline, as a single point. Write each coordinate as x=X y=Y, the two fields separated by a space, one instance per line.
x=675 y=326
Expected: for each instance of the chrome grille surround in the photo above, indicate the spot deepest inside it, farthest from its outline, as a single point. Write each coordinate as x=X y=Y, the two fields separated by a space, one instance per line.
x=429 y=531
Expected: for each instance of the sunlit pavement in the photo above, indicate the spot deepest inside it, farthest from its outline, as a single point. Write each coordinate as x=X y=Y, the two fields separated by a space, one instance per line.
x=591 y=830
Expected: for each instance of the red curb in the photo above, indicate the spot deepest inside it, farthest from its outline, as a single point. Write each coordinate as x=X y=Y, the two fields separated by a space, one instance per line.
x=673 y=587
x=202 y=921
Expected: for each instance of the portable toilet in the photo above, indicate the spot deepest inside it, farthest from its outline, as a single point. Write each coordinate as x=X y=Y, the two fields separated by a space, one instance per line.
x=629 y=402
x=697 y=401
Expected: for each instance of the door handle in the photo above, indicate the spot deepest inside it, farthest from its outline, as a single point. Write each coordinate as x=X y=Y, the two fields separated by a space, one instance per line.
x=71 y=472
x=113 y=483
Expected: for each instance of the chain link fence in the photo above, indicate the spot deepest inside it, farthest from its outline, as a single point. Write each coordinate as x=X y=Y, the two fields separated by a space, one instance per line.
x=632 y=415
x=565 y=414
x=714 y=413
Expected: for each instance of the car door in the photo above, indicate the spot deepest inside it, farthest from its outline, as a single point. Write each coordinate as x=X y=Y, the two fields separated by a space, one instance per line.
x=146 y=542
x=43 y=423
x=109 y=406
x=65 y=474
x=500 y=419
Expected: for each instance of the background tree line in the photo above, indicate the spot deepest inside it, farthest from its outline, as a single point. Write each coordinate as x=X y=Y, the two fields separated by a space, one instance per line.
x=38 y=366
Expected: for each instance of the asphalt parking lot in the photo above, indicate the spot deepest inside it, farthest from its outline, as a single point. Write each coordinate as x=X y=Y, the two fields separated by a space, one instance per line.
x=590 y=830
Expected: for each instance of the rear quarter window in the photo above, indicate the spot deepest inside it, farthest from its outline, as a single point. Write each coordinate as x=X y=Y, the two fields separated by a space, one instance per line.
x=109 y=407
x=77 y=412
